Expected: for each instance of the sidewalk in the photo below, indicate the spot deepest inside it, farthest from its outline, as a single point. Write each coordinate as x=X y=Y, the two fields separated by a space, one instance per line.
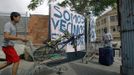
x=72 y=68
x=68 y=68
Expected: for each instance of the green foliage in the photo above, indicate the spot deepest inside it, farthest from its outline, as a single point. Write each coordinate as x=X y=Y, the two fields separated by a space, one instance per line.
x=34 y=4
x=98 y=6
x=80 y=6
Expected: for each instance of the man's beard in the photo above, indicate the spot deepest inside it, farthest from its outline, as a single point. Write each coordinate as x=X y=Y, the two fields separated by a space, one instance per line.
x=16 y=21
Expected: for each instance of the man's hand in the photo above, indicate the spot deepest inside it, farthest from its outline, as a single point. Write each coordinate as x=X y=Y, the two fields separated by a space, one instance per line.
x=24 y=39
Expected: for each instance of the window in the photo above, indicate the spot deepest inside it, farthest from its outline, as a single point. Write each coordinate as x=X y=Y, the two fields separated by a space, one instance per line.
x=104 y=20
x=101 y=21
x=112 y=18
x=102 y=30
x=113 y=28
x=116 y=17
x=99 y=31
x=98 y=23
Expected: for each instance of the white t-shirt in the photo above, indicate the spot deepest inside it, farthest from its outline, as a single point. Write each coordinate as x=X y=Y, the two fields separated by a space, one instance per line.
x=9 y=27
x=107 y=39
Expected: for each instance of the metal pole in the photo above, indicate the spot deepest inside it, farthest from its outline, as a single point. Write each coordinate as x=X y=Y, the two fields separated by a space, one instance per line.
x=119 y=27
x=49 y=24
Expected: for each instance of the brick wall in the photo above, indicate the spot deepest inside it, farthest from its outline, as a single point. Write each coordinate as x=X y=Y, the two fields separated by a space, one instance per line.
x=38 y=28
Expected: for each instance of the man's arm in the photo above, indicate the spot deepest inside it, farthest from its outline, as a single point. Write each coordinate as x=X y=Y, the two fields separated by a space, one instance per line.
x=13 y=37
x=111 y=37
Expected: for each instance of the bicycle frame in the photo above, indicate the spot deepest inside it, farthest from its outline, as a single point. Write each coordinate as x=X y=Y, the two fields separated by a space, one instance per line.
x=58 y=42
x=55 y=46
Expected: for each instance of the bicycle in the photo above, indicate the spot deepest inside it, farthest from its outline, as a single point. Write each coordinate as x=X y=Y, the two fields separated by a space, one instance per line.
x=53 y=50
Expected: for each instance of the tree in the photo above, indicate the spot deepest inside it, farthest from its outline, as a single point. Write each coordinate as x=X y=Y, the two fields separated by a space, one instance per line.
x=80 y=6
x=34 y=4
x=98 y=6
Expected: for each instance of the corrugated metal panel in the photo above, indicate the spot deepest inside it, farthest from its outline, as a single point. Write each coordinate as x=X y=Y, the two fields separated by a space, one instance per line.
x=127 y=34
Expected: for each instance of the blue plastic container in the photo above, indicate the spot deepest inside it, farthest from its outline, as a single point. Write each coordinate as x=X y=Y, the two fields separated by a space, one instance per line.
x=106 y=56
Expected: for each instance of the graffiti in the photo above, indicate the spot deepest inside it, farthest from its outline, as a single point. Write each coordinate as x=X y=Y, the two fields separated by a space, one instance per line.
x=92 y=29
x=67 y=20
x=62 y=20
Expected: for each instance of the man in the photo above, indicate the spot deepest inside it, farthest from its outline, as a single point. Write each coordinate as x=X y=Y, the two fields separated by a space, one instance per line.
x=107 y=38
x=106 y=54
x=10 y=36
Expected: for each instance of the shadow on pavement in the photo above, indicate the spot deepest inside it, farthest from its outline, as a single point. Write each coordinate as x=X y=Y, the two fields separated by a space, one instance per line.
x=86 y=70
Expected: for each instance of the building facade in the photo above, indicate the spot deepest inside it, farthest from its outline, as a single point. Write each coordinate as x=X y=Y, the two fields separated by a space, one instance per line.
x=109 y=20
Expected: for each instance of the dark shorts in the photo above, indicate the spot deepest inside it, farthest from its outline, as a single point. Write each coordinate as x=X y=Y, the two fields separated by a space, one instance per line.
x=11 y=54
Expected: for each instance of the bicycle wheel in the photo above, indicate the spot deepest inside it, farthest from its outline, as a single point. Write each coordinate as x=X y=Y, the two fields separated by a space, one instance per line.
x=43 y=53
